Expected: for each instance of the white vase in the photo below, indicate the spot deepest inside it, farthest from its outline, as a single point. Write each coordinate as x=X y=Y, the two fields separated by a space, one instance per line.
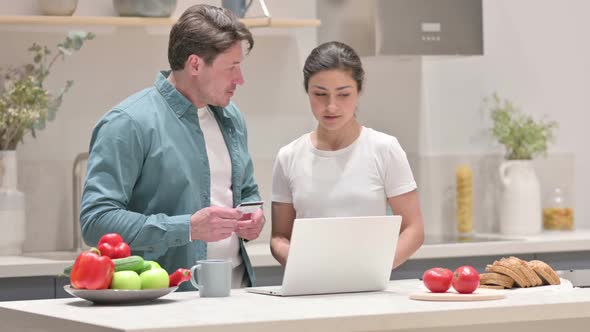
x=12 y=206
x=520 y=205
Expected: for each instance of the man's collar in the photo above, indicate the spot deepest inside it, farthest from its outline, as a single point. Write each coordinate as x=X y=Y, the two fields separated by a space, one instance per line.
x=177 y=101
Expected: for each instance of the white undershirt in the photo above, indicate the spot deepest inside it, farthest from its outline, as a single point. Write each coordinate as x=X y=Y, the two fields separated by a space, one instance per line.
x=221 y=193
x=354 y=181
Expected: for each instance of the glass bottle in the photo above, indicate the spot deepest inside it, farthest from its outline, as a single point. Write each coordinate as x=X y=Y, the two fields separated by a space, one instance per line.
x=558 y=213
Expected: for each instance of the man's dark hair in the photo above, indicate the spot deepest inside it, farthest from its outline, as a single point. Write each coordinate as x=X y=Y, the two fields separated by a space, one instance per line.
x=206 y=31
x=334 y=55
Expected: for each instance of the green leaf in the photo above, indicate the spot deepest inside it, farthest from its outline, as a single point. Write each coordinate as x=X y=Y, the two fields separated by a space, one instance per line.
x=521 y=135
x=82 y=35
x=65 y=50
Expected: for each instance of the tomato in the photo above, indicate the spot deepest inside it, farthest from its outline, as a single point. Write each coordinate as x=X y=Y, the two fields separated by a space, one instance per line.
x=112 y=245
x=110 y=238
x=437 y=279
x=465 y=279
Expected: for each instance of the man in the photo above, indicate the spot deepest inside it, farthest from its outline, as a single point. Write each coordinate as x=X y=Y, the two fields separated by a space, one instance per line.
x=168 y=165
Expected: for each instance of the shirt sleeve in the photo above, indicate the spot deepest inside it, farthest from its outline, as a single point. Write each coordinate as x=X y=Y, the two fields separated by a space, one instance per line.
x=398 y=177
x=114 y=165
x=281 y=191
x=250 y=191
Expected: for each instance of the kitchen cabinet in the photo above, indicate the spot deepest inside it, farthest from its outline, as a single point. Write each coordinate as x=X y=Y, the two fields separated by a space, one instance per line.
x=561 y=250
x=414 y=268
x=29 y=288
x=28 y=278
x=33 y=288
x=51 y=287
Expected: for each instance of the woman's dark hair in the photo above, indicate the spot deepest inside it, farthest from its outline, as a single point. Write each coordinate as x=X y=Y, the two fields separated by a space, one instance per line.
x=206 y=31
x=333 y=55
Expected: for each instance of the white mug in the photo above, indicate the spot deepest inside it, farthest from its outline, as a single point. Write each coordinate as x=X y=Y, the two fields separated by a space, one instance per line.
x=212 y=277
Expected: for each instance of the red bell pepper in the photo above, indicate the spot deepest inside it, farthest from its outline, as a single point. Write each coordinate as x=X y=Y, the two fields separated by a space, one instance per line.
x=92 y=271
x=179 y=276
x=112 y=245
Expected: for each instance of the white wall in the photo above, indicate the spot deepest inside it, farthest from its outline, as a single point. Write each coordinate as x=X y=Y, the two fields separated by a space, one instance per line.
x=536 y=54
x=121 y=61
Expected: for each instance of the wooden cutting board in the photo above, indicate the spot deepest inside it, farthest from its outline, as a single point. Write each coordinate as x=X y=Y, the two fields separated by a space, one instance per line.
x=480 y=294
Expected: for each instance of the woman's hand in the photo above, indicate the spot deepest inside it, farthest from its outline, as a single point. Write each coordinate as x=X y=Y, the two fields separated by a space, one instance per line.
x=283 y=216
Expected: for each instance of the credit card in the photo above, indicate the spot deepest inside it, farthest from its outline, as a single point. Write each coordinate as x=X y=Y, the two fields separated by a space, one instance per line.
x=250 y=207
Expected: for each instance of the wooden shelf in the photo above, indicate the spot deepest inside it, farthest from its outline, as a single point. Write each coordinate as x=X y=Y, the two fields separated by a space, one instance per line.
x=119 y=21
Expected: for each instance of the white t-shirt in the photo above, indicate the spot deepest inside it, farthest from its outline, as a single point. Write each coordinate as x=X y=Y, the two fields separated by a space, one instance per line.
x=354 y=181
x=221 y=193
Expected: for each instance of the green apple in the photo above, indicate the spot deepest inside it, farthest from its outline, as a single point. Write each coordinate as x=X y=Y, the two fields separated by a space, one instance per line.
x=126 y=280
x=149 y=265
x=154 y=278
x=154 y=265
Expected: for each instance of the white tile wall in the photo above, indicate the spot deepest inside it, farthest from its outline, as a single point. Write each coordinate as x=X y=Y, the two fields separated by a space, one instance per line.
x=430 y=105
x=110 y=68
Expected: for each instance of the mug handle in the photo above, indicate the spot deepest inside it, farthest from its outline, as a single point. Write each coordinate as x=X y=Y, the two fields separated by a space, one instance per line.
x=195 y=277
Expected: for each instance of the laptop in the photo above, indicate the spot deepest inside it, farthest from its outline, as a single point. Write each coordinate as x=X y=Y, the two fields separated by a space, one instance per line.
x=338 y=255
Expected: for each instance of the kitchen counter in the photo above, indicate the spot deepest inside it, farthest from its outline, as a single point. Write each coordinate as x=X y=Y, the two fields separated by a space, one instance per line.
x=21 y=266
x=53 y=263
x=540 y=309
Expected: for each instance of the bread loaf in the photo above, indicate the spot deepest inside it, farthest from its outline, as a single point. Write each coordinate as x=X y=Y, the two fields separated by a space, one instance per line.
x=513 y=271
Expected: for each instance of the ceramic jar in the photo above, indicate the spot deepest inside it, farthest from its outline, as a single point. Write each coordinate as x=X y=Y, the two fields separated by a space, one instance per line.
x=520 y=204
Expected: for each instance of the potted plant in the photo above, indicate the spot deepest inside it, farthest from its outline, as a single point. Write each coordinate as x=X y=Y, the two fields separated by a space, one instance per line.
x=25 y=107
x=523 y=139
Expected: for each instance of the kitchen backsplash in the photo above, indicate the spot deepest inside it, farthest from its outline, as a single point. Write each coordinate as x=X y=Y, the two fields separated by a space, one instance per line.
x=437 y=185
x=49 y=206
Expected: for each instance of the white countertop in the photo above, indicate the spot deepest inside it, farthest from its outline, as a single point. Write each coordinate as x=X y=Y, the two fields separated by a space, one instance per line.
x=21 y=266
x=53 y=263
x=548 y=241
x=527 y=309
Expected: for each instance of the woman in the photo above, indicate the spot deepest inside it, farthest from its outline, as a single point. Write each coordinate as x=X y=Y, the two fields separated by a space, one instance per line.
x=341 y=168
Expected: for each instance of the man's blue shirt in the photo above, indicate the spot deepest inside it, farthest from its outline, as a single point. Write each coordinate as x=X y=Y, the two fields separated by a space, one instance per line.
x=148 y=172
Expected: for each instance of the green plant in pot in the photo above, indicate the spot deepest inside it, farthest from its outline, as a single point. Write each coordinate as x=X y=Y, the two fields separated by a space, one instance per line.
x=25 y=104
x=25 y=107
x=523 y=138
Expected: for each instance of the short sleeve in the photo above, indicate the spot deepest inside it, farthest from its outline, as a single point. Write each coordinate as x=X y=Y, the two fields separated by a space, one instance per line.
x=281 y=190
x=398 y=177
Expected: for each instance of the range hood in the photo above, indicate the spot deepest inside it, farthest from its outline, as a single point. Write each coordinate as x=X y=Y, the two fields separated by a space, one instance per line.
x=403 y=27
